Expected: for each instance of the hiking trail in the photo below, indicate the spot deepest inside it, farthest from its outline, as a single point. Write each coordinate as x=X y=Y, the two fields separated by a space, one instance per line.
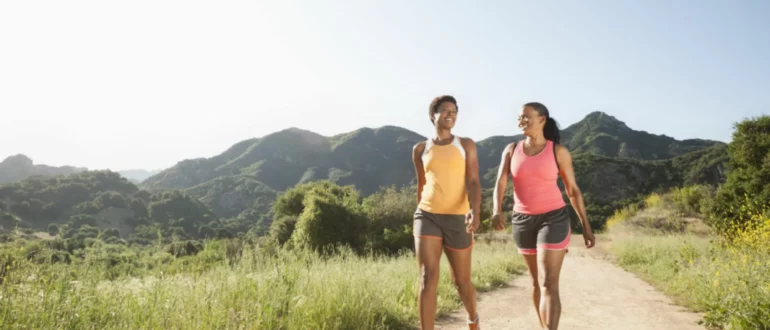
x=595 y=294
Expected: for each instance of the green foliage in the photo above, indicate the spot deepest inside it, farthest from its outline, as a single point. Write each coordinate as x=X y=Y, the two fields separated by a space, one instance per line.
x=322 y=214
x=53 y=229
x=691 y=200
x=242 y=202
x=177 y=209
x=184 y=248
x=390 y=213
x=749 y=176
x=282 y=228
x=330 y=216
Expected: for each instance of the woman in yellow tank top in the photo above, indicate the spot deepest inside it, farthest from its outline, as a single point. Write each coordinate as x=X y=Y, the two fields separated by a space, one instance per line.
x=449 y=201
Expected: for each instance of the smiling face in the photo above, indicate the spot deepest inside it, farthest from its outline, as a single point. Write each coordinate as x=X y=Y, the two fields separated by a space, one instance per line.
x=445 y=116
x=530 y=121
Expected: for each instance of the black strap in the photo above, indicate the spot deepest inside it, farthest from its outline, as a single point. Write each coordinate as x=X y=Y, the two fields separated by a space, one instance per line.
x=556 y=160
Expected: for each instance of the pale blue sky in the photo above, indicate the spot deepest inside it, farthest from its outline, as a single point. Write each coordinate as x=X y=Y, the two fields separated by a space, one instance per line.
x=144 y=84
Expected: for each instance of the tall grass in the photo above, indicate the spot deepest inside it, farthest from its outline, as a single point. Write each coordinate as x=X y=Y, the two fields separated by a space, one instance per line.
x=279 y=290
x=725 y=279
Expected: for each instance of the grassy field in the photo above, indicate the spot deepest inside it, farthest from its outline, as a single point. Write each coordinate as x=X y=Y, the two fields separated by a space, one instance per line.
x=727 y=281
x=256 y=290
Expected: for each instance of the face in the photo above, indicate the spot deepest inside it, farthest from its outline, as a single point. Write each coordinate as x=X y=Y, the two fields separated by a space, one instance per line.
x=530 y=121
x=446 y=115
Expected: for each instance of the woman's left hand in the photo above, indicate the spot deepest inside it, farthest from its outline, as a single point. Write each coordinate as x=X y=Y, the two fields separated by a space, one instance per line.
x=589 y=239
x=471 y=222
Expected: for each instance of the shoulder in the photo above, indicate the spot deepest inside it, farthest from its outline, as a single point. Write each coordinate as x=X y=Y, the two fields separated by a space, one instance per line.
x=418 y=147
x=509 y=148
x=561 y=151
x=467 y=143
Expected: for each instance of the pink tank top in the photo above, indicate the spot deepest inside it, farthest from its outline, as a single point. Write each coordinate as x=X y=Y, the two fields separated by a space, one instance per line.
x=535 y=190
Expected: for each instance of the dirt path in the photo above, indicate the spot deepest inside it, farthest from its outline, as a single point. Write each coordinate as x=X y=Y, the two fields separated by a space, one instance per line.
x=595 y=294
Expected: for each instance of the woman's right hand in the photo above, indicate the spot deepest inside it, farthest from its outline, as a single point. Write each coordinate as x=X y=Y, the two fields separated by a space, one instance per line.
x=498 y=221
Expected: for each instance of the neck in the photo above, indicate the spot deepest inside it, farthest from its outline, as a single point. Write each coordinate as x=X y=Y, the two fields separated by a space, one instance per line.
x=443 y=134
x=536 y=139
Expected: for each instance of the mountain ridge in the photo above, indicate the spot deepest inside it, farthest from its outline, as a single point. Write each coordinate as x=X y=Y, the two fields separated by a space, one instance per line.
x=614 y=164
x=289 y=153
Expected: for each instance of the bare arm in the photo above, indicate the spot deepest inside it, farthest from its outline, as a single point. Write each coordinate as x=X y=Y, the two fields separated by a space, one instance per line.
x=472 y=176
x=502 y=179
x=418 y=168
x=567 y=173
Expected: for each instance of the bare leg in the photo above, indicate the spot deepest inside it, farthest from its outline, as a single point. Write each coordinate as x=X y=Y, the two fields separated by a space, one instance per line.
x=428 y=252
x=531 y=260
x=460 y=262
x=550 y=262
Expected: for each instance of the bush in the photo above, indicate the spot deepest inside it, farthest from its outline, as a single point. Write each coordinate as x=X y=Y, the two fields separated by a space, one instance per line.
x=390 y=213
x=109 y=233
x=327 y=215
x=749 y=175
x=692 y=200
x=327 y=221
x=185 y=248
x=282 y=228
x=53 y=229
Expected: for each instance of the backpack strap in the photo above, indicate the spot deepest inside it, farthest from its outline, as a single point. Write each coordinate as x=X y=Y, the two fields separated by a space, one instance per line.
x=556 y=160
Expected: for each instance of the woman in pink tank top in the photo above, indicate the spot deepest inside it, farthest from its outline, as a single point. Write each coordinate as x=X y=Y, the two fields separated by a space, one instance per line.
x=540 y=219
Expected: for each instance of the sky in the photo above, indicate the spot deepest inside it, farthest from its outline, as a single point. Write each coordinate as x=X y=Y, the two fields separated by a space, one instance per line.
x=146 y=84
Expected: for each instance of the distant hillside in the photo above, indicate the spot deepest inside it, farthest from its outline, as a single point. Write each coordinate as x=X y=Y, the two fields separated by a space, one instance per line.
x=93 y=202
x=233 y=192
x=601 y=134
x=605 y=149
x=19 y=167
x=367 y=158
x=138 y=175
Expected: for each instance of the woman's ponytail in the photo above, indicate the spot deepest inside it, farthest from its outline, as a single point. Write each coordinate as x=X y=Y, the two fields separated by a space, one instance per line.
x=551 y=130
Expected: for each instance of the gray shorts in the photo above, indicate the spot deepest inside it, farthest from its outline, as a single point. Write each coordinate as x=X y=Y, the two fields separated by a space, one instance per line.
x=549 y=231
x=447 y=227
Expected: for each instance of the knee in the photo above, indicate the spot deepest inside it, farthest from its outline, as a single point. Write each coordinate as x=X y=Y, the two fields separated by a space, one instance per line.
x=535 y=285
x=428 y=278
x=462 y=284
x=550 y=285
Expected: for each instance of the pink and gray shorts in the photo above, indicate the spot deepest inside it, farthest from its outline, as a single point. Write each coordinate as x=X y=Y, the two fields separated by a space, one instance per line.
x=546 y=231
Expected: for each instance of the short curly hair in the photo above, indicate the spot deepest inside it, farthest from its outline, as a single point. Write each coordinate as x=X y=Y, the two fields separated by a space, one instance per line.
x=437 y=102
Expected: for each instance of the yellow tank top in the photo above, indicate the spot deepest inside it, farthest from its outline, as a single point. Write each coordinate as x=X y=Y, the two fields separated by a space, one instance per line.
x=444 y=191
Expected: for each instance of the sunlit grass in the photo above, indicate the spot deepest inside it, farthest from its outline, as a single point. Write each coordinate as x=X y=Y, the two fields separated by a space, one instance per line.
x=280 y=290
x=726 y=280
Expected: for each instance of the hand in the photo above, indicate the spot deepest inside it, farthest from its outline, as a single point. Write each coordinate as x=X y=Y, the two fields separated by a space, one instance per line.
x=498 y=221
x=589 y=239
x=471 y=222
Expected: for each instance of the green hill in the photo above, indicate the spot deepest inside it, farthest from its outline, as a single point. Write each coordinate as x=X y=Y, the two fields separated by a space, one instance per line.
x=19 y=167
x=91 y=203
x=234 y=191
x=606 y=150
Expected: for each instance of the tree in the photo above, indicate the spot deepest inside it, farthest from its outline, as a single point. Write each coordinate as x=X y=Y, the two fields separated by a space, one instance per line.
x=326 y=214
x=390 y=213
x=748 y=181
x=328 y=221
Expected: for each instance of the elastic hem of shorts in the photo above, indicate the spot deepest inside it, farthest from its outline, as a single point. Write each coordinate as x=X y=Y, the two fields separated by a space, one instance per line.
x=563 y=245
x=428 y=236
x=465 y=249
x=528 y=251
x=429 y=209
